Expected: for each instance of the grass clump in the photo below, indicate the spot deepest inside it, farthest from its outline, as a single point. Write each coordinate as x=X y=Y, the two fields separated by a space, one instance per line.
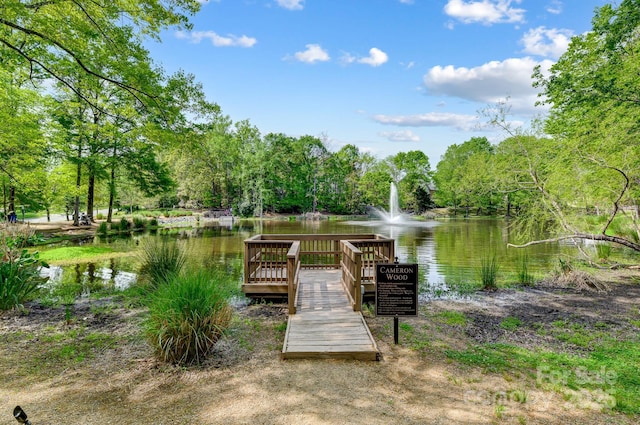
x=603 y=251
x=161 y=261
x=510 y=323
x=187 y=316
x=524 y=277
x=452 y=318
x=489 y=273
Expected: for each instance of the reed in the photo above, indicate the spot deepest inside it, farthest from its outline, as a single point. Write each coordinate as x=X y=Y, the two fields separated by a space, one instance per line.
x=489 y=272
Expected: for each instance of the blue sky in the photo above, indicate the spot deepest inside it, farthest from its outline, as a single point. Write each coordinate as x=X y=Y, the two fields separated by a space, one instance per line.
x=388 y=76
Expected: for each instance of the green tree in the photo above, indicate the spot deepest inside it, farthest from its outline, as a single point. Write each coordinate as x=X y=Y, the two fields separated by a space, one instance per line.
x=23 y=147
x=413 y=175
x=461 y=177
x=593 y=92
x=375 y=185
x=56 y=39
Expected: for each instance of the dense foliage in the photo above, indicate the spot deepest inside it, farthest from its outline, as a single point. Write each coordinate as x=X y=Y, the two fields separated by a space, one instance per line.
x=100 y=124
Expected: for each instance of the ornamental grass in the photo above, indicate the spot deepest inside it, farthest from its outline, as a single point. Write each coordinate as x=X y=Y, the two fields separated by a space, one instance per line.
x=161 y=260
x=188 y=314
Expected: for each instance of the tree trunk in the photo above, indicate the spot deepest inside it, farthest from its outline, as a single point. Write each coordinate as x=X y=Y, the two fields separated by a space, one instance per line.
x=12 y=198
x=90 y=194
x=4 y=201
x=112 y=194
x=76 y=204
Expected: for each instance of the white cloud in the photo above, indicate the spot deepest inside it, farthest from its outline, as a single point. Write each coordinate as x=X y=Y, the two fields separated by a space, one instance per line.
x=486 y=12
x=546 y=42
x=217 y=40
x=400 y=136
x=555 y=7
x=489 y=83
x=431 y=119
x=376 y=58
x=314 y=53
x=406 y=1
x=291 y=4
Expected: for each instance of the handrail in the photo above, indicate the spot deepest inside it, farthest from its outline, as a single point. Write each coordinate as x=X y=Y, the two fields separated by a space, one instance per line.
x=352 y=273
x=273 y=262
x=293 y=275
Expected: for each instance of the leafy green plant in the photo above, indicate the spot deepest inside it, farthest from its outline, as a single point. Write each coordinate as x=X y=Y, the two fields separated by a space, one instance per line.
x=489 y=272
x=187 y=316
x=161 y=260
x=19 y=275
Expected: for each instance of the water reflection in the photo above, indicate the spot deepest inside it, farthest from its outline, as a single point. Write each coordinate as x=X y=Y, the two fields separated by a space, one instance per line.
x=90 y=276
x=448 y=252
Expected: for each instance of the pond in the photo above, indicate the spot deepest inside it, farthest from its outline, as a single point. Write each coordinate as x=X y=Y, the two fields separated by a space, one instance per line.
x=449 y=253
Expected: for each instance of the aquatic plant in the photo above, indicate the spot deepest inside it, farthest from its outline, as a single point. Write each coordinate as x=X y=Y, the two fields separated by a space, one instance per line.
x=161 y=260
x=489 y=272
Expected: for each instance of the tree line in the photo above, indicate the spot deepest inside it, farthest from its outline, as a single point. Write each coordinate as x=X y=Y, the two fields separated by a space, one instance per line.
x=88 y=118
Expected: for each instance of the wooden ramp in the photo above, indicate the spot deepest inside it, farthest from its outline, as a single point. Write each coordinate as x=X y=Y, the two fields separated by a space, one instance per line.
x=325 y=325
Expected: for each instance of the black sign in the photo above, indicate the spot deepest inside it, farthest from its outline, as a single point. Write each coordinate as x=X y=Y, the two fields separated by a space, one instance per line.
x=396 y=289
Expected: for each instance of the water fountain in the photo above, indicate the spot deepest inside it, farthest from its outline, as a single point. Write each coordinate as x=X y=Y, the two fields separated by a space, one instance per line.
x=393 y=216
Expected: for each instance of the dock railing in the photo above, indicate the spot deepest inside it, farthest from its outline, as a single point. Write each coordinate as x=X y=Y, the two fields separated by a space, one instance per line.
x=352 y=273
x=272 y=263
x=293 y=275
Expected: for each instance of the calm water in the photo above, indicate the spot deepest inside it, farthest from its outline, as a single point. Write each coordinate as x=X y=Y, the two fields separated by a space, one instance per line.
x=448 y=252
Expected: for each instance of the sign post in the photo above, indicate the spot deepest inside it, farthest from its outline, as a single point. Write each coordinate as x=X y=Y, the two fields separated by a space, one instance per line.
x=396 y=292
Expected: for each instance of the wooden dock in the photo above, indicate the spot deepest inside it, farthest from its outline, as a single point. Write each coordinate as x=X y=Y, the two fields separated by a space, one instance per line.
x=325 y=324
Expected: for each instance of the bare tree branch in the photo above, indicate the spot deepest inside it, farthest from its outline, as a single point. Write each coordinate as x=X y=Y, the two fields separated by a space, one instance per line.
x=588 y=236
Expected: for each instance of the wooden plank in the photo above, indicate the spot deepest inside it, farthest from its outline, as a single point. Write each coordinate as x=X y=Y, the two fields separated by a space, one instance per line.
x=325 y=325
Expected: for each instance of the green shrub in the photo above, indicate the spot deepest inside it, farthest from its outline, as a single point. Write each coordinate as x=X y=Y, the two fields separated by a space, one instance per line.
x=187 y=316
x=20 y=236
x=153 y=222
x=489 y=273
x=19 y=276
x=124 y=225
x=139 y=223
x=161 y=260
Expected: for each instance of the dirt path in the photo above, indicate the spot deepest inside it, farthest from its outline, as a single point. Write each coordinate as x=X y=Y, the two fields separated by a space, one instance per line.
x=245 y=382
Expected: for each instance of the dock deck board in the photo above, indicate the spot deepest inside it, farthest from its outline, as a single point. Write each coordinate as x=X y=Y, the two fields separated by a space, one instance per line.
x=325 y=325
